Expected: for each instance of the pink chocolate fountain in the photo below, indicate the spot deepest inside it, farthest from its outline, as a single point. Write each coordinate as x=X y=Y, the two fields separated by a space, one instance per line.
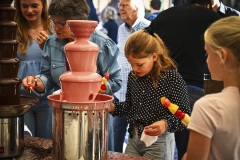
x=80 y=113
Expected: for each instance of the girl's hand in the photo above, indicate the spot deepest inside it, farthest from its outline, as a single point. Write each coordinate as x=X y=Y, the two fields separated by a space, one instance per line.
x=111 y=108
x=42 y=38
x=156 y=129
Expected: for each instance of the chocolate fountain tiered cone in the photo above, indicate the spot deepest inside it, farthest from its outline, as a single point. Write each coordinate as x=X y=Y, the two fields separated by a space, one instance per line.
x=12 y=105
x=80 y=113
x=81 y=83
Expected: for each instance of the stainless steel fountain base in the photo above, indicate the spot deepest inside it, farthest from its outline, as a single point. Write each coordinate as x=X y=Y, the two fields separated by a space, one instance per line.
x=12 y=127
x=80 y=130
x=11 y=136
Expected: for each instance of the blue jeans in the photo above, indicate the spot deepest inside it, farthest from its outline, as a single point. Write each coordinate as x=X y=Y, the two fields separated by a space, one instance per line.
x=39 y=119
x=110 y=133
x=163 y=148
x=119 y=129
x=181 y=137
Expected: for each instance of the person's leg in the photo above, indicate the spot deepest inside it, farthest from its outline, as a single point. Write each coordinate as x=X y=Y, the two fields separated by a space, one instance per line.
x=134 y=145
x=119 y=130
x=163 y=148
x=29 y=120
x=181 y=142
x=111 y=136
x=44 y=120
x=182 y=136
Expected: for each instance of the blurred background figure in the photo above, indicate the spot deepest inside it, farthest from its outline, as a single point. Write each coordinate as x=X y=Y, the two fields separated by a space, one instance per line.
x=165 y=4
x=155 y=6
x=93 y=13
x=111 y=26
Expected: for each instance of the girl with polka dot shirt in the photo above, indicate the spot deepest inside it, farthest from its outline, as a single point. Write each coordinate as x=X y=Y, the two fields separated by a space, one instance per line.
x=153 y=76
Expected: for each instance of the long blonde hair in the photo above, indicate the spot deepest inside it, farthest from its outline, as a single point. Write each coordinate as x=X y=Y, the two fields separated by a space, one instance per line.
x=142 y=44
x=22 y=31
x=225 y=33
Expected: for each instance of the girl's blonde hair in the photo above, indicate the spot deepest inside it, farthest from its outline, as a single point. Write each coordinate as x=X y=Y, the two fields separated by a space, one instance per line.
x=225 y=33
x=22 y=31
x=142 y=44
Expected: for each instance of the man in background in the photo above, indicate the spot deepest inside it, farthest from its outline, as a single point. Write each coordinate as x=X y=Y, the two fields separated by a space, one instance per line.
x=155 y=6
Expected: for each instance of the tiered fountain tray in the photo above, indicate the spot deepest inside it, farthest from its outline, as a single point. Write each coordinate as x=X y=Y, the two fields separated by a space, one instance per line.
x=17 y=110
x=97 y=104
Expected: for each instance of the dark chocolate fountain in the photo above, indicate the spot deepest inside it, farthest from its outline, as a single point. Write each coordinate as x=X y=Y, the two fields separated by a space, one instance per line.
x=12 y=105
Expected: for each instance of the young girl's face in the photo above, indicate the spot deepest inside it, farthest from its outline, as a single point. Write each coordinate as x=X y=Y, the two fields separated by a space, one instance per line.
x=142 y=66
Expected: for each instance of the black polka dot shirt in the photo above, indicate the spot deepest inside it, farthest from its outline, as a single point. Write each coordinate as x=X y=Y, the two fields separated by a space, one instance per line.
x=143 y=107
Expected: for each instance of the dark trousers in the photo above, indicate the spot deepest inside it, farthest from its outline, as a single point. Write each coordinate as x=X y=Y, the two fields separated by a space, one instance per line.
x=119 y=130
x=182 y=137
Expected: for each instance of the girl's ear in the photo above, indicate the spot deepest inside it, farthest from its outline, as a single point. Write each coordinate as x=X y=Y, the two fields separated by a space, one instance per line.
x=155 y=56
x=223 y=55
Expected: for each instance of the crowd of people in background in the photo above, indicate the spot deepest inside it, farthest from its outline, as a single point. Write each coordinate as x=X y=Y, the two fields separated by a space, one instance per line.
x=147 y=51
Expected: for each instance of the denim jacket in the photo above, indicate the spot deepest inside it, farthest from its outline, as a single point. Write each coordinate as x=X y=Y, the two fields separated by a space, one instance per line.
x=54 y=62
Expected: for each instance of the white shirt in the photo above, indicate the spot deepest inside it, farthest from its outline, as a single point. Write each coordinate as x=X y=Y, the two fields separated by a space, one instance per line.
x=217 y=116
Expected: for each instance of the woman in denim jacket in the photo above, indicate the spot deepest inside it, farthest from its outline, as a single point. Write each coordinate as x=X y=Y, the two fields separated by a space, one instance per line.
x=54 y=59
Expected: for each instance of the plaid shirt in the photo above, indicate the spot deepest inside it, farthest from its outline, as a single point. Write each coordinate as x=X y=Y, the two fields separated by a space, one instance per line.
x=124 y=32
